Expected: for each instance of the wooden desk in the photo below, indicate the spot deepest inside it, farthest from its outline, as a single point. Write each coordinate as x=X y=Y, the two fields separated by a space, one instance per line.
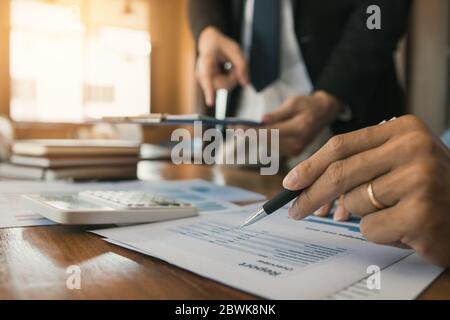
x=33 y=261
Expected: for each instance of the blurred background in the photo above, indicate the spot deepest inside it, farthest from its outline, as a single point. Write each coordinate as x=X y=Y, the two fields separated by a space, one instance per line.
x=64 y=60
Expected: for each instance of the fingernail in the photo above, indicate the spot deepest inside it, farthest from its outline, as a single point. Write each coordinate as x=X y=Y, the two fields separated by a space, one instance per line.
x=339 y=214
x=318 y=212
x=290 y=181
x=294 y=212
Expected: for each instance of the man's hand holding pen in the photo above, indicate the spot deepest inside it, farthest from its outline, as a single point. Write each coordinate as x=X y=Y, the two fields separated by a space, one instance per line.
x=395 y=176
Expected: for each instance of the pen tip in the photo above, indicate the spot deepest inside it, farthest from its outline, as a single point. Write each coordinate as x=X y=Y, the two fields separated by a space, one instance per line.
x=246 y=223
x=254 y=217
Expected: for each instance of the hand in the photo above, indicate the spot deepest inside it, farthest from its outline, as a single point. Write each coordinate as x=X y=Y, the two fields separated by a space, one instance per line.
x=301 y=118
x=410 y=173
x=340 y=214
x=215 y=49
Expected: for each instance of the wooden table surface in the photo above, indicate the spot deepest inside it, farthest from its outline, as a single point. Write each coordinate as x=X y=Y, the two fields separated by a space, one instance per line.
x=34 y=260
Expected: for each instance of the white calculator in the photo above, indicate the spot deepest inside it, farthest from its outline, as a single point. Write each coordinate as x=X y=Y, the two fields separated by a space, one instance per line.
x=107 y=207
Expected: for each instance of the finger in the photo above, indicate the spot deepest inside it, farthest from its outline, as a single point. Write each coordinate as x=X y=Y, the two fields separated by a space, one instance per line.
x=344 y=175
x=324 y=210
x=234 y=53
x=341 y=213
x=291 y=128
x=337 y=148
x=208 y=90
x=283 y=112
x=225 y=81
x=382 y=226
x=206 y=83
x=388 y=189
x=207 y=71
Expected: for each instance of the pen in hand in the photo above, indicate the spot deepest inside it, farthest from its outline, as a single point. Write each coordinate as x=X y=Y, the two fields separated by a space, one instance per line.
x=280 y=200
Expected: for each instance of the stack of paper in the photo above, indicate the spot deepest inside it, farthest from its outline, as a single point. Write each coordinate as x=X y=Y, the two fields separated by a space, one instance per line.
x=179 y=119
x=278 y=258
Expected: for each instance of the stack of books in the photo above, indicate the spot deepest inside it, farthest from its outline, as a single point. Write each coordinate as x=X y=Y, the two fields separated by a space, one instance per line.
x=72 y=159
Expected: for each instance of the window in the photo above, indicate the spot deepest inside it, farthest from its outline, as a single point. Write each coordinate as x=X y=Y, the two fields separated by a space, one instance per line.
x=72 y=59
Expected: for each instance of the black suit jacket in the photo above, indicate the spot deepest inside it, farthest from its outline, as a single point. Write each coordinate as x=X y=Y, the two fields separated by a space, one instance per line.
x=342 y=56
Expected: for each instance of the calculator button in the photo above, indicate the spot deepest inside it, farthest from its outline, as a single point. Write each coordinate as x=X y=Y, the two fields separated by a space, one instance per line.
x=130 y=199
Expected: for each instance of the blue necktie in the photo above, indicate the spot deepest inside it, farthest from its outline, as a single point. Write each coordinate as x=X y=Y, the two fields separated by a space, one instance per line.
x=265 y=46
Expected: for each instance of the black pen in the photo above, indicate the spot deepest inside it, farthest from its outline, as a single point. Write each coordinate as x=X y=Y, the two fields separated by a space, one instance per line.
x=277 y=202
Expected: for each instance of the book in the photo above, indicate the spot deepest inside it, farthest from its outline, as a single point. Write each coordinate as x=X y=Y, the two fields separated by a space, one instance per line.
x=74 y=147
x=13 y=171
x=155 y=152
x=72 y=161
x=183 y=119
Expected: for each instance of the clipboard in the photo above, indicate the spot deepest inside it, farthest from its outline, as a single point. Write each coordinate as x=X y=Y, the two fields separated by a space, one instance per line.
x=154 y=119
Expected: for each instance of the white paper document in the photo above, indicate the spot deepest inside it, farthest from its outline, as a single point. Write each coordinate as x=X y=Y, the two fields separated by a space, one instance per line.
x=14 y=214
x=403 y=280
x=188 y=191
x=275 y=258
x=210 y=190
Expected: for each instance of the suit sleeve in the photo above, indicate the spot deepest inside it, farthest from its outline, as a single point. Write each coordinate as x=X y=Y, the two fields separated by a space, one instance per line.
x=363 y=55
x=204 y=13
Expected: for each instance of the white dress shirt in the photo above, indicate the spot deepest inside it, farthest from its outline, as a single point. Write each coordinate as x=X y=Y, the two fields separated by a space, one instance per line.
x=293 y=80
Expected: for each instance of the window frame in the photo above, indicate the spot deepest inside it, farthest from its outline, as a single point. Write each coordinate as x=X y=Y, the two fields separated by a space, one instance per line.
x=172 y=72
